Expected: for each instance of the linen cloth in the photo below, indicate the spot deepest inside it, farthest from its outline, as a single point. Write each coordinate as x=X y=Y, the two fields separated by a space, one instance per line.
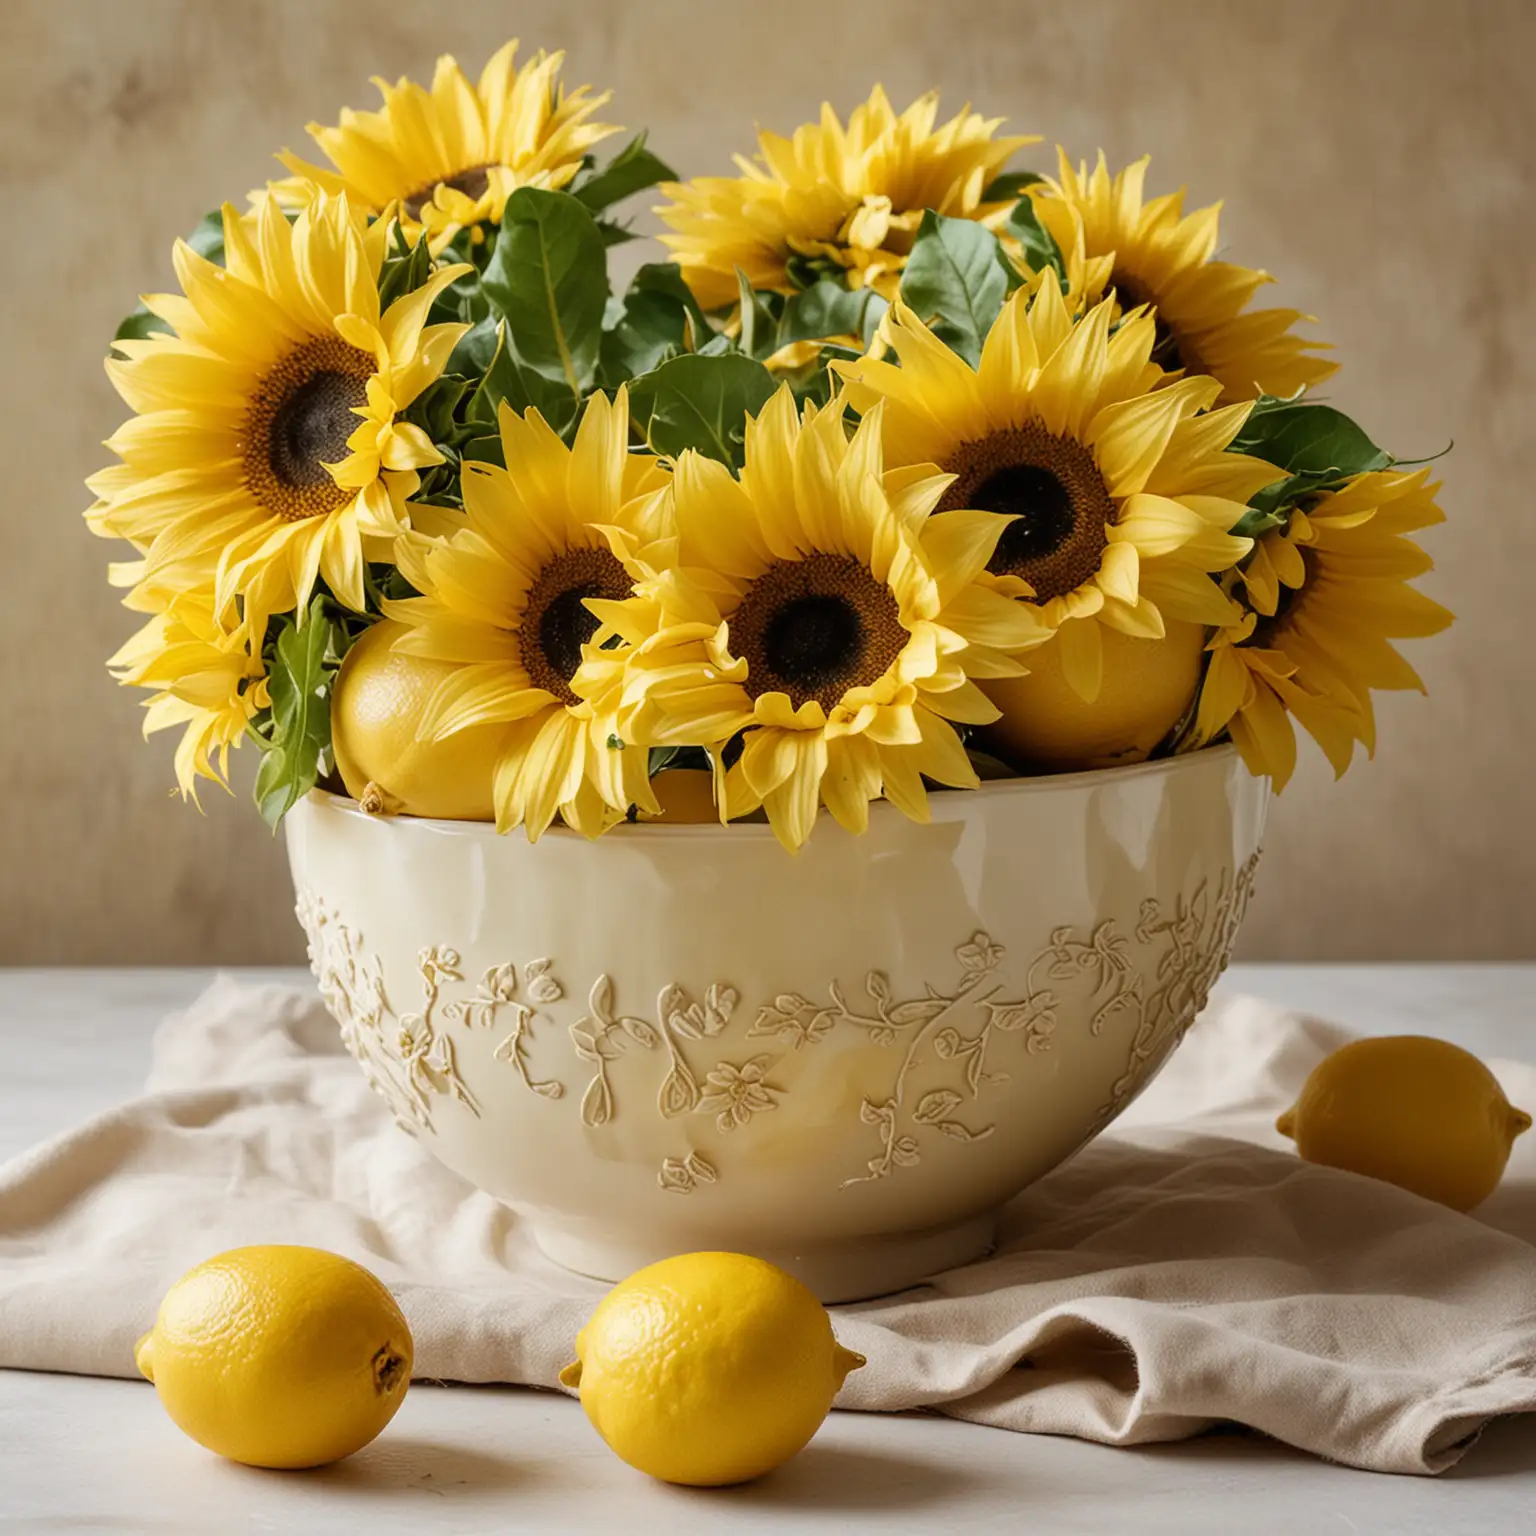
x=1183 y=1270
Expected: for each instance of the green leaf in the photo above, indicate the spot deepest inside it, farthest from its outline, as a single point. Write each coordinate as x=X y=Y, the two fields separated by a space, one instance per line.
x=614 y=233
x=484 y=450
x=1257 y=521
x=140 y=324
x=1010 y=185
x=667 y=277
x=759 y=327
x=1040 y=248
x=435 y=409
x=549 y=277
x=956 y=278
x=301 y=666
x=404 y=270
x=632 y=170
x=827 y=309
x=1303 y=438
x=507 y=377
x=647 y=330
x=208 y=238
x=662 y=758
x=804 y=271
x=701 y=402
x=476 y=348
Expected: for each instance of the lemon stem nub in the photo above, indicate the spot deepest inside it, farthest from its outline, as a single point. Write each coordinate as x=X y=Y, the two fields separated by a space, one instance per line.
x=845 y=1362
x=571 y=1375
x=1519 y=1122
x=388 y=1365
x=1286 y=1124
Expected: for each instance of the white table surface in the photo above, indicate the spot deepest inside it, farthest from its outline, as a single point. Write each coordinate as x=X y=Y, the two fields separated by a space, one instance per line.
x=84 y=1455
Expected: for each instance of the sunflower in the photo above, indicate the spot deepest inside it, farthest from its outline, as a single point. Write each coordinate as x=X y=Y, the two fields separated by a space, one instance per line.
x=206 y=679
x=820 y=612
x=1153 y=253
x=452 y=155
x=847 y=199
x=267 y=452
x=1121 y=492
x=1326 y=597
x=506 y=599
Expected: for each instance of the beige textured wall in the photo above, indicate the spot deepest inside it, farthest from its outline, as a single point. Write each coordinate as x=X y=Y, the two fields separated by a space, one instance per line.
x=1376 y=153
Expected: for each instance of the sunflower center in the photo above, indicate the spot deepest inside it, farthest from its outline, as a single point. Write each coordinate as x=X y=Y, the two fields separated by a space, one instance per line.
x=472 y=183
x=1170 y=351
x=815 y=628
x=556 y=622
x=299 y=419
x=1053 y=488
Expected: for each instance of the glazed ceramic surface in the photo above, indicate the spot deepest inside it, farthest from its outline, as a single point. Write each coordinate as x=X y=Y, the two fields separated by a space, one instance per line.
x=681 y=1038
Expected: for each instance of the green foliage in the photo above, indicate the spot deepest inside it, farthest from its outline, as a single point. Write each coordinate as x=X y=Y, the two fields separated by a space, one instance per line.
x=208 y=238
x=701 y=401
x=662 y=758
x=827 y=309
x=405 y=269
x=548 y=277
x=1010 y=185
x=656 y=320
x=1318 y=447
x=1040 y=248
x=509 y=377
x=632 y=170
x=301 y=664
x=956 y=279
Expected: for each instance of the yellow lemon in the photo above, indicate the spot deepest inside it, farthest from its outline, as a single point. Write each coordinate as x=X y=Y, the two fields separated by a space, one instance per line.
x=279 y=1356
x=710 y=1368
x=1148 y=685
x=376 y=704
x=1420 y=1113
x=684 y=795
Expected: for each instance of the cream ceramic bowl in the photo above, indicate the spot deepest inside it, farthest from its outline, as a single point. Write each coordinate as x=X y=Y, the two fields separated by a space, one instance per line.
x=681 y=1038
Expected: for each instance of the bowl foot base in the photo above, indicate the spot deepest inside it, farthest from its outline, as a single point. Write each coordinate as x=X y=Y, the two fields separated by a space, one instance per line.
x=850 y=1271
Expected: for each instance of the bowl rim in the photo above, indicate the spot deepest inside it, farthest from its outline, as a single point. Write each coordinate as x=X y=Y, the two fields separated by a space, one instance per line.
x=989 y=790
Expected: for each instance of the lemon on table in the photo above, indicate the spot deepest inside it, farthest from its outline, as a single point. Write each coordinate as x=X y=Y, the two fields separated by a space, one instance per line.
x=279 y=1356
x=1419 y=1113
x=710 y=1368
x=376 y=705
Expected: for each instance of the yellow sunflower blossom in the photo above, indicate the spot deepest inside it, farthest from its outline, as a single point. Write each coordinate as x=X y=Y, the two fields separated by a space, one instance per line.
x=205 y=679
x=267 y=451
x=450 y=156
x=509 y=599
x=819 y=611
x=1119 y=484
x=850 y=196
x=1326 y=597
x=1150 y=252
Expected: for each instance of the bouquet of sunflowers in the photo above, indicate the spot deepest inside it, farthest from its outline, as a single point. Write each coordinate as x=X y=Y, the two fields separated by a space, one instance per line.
x=905 y=470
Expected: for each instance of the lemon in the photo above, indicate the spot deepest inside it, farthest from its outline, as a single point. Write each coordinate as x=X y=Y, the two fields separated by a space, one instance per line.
x=377 y=701
x=279 y=1356
x=684 y=795
x=1420 y=1113
x=710 y=1368
x=1148 y=685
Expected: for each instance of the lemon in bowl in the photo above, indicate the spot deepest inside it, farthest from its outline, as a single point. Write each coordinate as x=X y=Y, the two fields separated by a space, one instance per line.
x=279 y=1356
x=1417 y=1112
x=708 y=1368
